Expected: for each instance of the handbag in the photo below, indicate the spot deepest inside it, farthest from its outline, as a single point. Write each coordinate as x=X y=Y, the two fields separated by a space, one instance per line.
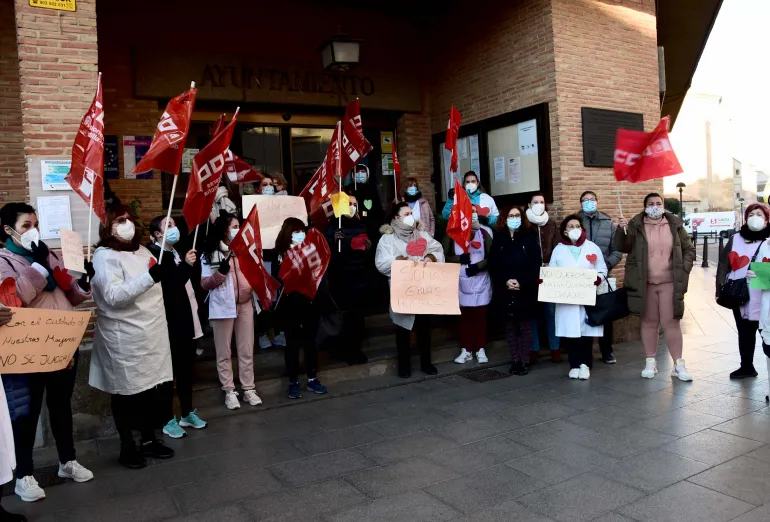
x=609 y=307
x=734 y=293
x=331 y=323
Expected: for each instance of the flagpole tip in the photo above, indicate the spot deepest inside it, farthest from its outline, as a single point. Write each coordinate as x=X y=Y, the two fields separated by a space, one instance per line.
x=192 y=85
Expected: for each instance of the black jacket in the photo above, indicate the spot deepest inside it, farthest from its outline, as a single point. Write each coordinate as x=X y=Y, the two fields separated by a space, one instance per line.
x=348 y=269
x=515 y=258
x=178 y=311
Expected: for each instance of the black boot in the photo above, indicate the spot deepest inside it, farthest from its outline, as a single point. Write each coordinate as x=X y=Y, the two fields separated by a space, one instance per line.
x=743 y=372
x=515 y=368
x=156 y=449
x=131 y=458
x=524 y=370
x=11 y=517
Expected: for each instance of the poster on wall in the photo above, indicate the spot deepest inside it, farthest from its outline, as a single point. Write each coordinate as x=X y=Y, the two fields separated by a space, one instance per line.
x=387 y=165
x=53 y=172
x=462 y=149
x=500 y=169
x=54 y=214
x=187 y=159
x=528 y=138
x=386 y=142
x=111 y=158
x=134 y=149
x=514 y=170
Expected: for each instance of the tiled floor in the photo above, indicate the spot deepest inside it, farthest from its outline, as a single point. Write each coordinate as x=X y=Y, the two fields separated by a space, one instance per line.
x=535 y=448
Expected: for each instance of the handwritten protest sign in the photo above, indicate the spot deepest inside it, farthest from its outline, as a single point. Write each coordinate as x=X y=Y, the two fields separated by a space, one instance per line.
x=432 y=289
x=273 y=210
x=72 y=250
x=39 y=340
x=567 y=286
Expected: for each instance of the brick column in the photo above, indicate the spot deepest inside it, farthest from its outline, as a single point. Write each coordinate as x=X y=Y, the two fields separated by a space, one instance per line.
x=13 y=179
x=414 y=152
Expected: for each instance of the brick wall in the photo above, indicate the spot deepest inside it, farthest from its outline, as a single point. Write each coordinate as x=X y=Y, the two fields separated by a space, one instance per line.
x=414 y=146
x=13 y=179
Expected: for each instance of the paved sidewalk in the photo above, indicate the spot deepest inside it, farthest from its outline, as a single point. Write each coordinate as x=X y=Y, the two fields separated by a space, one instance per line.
x=535 y=448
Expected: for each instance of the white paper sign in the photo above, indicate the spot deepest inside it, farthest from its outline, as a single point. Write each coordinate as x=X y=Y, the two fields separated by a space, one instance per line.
x=528 y=138
x=187 y=158
x=72 y=251
x=567 y=286
x=514 y=170
x=500 y=169
x=474 y=143
x=273 y=210
x=54 y=214
x=462 y=149
x=53 y=172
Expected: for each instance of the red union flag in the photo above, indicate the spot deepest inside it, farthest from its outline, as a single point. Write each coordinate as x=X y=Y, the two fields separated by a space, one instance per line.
x=355 y=145
x=247 y=246
x=323 y=183
x=452 y=130
x=86 y=175
x=167 y=147
x=459 y=225
x=207 y=169
x=640 y=156
x=238 y=171
x=303 y=267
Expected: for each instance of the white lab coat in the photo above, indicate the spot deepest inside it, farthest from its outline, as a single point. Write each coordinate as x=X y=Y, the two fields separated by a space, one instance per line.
x=388 y=249
x=571 y=319
x=7 y=451
x=764 y=315
x=131 y=351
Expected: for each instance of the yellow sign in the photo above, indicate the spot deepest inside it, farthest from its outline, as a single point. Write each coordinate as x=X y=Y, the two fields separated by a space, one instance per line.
x=386 y=142
x=59 y=5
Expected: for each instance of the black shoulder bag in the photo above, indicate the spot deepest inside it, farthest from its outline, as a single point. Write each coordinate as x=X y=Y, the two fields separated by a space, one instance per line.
x=734 y=293
x=610 y=306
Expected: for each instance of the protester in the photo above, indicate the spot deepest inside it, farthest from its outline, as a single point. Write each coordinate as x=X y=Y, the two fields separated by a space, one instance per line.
x=601 y=231
x=348 y=280
x=482 y=201
x=266 y=187
x=41 y=282
x=367 y=195
x=515 y=266
x=475 y=290
x=184 y=327
x=7 y=450
x=300 y=315
x=747 y=244
x=547 y=234
x=222 y=202
x=280 y=184
x=131 y=359
x=660 y=258
x=420 y=206
x=575 y=334
x=230 y=310
x=392 y=246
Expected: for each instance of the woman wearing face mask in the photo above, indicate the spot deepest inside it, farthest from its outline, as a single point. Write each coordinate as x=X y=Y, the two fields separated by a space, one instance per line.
x=41 y=282
x=184 y=327
x=266 y=187
x=420 y=206
x=131 y=359
x=515 y=266
x=230 y=310
x=300 y=314
x=547 y=234
x=660 y=258
x=483 y=202
x=475 y=290
x=370 y=206
x=575 y=334
x=401 y=231
x=748 y=243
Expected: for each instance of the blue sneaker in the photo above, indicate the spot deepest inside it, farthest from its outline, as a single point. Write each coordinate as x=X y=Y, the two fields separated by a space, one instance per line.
x=294 y=392
x=610 y=359
x=173 y=429
x=193 y=421
x=315 y=385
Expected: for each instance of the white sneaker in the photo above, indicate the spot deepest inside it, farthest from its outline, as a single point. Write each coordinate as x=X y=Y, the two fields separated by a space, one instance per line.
x=75 y=471
x=280 y=339
x=574 y=373
x=481 y=356
x=252 y=398
x=464 y=357
x=231 y=400
x=650 y=368
x=681 y=371
x=28 y=489
x=264 y=342
x=584 y=373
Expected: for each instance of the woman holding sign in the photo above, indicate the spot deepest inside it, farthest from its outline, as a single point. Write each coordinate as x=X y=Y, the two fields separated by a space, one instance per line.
x=41 y=282
x=575 y=334
x=401 y=240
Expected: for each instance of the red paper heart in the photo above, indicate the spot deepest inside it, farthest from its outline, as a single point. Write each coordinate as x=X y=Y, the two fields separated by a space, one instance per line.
x=738 y=261
x=482 y=211
x=591 y=258
x=62 y=278
x=417 y=248
x=8 y=293
x=476 y=244
x=152 y=262
x=766 y=259
x=359 y=242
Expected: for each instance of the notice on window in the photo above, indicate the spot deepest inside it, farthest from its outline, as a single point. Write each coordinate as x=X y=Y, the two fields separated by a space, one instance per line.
x=54 y=214
x=462 y=149
x=387 y=165
x=187 y=158
x=474 y=145
x=528 y=138
x=514 y=170
x=134 y=149
x=53 y=172
x=499 y=169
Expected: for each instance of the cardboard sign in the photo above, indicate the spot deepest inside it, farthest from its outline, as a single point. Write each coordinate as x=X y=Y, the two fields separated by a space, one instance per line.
x=72 y=251
x=38 y=340
x=273 y=210
x=567 y=286
x=425 y=289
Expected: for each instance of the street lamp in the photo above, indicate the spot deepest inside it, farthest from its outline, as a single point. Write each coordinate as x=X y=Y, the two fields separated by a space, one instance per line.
x=741 y=200
x=340 y=52
x=681 y=187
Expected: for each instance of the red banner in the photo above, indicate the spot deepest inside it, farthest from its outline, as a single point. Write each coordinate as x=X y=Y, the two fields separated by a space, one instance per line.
x=86 y=175
x=459 y=225
x=323 y=183
x=452 y=131
x=354 y=143
x=303 y=267
x=167 y=147
x=396 y=166
x=207 y=169
x=641 y=156
x=238 y=171
x=247 y=246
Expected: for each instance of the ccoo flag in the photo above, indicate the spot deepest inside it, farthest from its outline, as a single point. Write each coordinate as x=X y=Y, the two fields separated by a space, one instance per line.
x=641 y=156
x=354 y=145
x=247 y=246
x=303 y=267
x=238 y=171
x=459 y=225
x=452 y=131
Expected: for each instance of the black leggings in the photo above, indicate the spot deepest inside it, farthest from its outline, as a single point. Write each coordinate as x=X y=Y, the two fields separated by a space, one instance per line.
x=747 y=338
x=144 y=412
x=301 y=330
x=403 y=344
x=579 y=349
x=182 y=360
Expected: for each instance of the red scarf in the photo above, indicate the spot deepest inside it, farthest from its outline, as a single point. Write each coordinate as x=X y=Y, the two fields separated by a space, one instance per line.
x=567 y=241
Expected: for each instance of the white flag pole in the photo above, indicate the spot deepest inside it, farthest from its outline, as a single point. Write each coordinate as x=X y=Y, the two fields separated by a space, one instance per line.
x=90 y=219
x=620 y=204
x=195 y=236
x=393 y=154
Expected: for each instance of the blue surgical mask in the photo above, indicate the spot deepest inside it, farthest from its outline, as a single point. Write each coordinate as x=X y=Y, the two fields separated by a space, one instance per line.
x=361 y=177
x=297 y=237
x=513 y=223
x=269 y=190
x=589 y=206
x=172 y=236
x=412 y=191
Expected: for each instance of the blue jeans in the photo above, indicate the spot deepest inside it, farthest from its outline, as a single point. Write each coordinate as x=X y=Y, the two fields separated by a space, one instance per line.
x=550 y=319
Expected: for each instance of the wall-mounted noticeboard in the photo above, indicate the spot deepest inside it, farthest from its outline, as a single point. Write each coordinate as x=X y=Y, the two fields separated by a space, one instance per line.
x=514 y=164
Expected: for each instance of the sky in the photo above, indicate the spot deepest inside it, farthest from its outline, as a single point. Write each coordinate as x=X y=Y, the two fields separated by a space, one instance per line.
x=735 y=65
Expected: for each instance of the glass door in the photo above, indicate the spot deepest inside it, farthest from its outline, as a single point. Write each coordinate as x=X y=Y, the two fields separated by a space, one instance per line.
x=308 y=149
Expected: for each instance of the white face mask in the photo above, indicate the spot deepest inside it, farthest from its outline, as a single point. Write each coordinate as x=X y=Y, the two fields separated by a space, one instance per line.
x=29 y=237
x=755 y=223
x=233 y=232
x=538 y=209
x=471 y=187
x=654 y=212
x=408 y=220
x=268 y=190
x=352 y=210
x=125 y=231
x=575 y=234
